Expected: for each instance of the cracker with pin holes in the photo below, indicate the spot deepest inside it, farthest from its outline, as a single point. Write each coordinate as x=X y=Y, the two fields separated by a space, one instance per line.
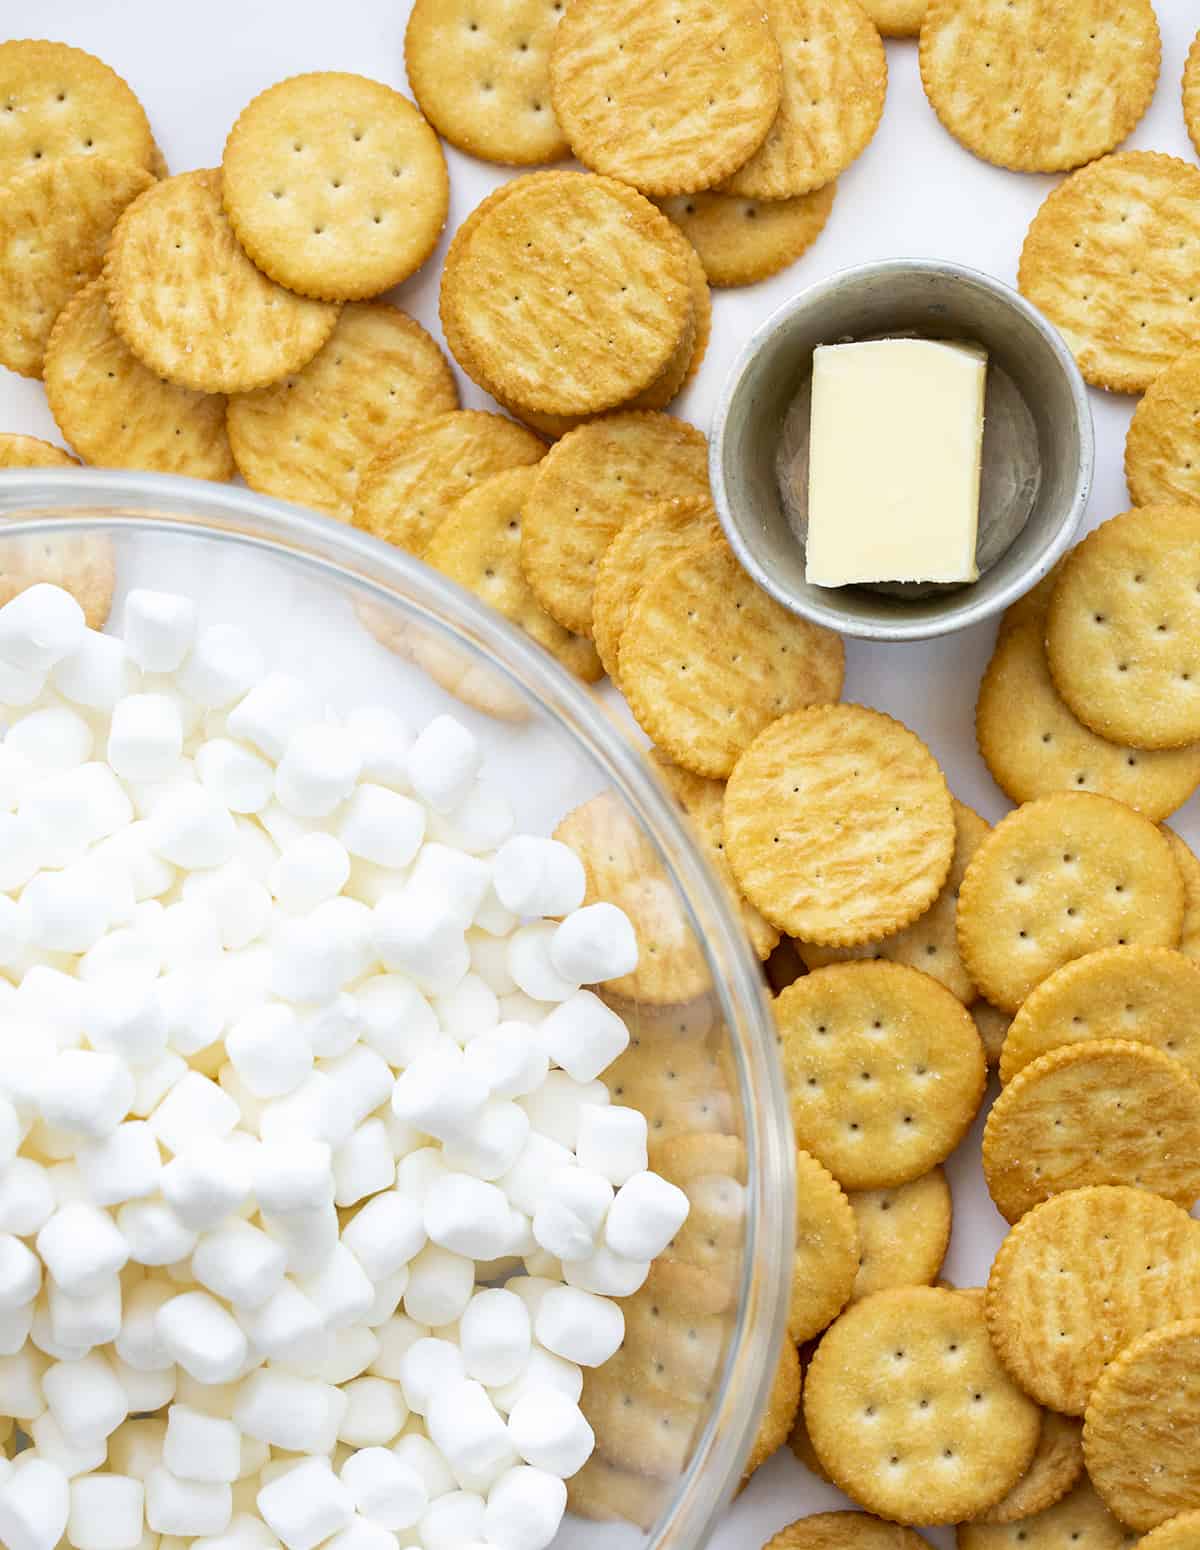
x=1123 y=630
x=481 y=74
x=335 y=185
x=411 y=486
x=1033 y=604
x=845 y=1531
x=191 y=305
x=1081 y=1276
x=1181 y=1532
x=783 y=1403
x=590 y=484
x=1053 y=1472
x=930 y=943
x=604 y=1492
x=1077 y=1521
x=896 y=18
x=831 y=100
x=703 y=801
x=457 y=668
x=1035 y=87
x=708 y=659
x=1110 y=259
x=647 y=540
x=668 y=97
x=17 y=451
x=681 y=1352
x=884 y=1070
x=677 y=1082
x=1191 y=92
x=115 y=412
x=57 y=101
x=83 y=564
x=1141 y=1424
x=571 y=294
x=1060 y=877
x=825 y=1260
x=1162 y=447
x=1034 y=744
x=700 y=1269
x=838 y=825
x=636 y=1426
x=910 y=1410
x=56 y=218
x=903 y=1233
x=1150 y=995
x=1107 y=1111
x=310 y=437
x=1189 y=870
x=741 y=241
x=479 y=546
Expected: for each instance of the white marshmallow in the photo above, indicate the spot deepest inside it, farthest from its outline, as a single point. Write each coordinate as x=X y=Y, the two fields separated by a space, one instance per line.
x=381 y=826
x=465 y=1425
x=645 y=1216
x=383 y=742
x=191 y=829
x=455 y=881
x=480 y=823
x=81 y=1248
x=397 y=1021
x=310 y=870
x=20 y=1273
x=107 y=1513
x=235 y=776
x=135 y=1448
x=361 y=1534
x=346 y=1356
x=292 y=1176
x=15 y=924
x=83 y=1322
x=543 y=1371
x=317 y=772
x=47 y=1437
x=154 y=1082
x=269 y=1051
x=579 y=1326
x=550 y=1432
x=97 y=673
x=20 y=686
x=526 y=1179
x=419 y=1454
x=388 y=1294
x=571 y=1212
x=385 y=1489
x=494 y=1335
x=365 y=1165
x=467 y=1011
x=144 y=1391
x=206 y=1183
x=417 y=1171
x=85 y=1398
x=340 y=1290
x=534 y=876
x=309 y=962
x=531 y=967
x=317 y=1110
x=138 y=1342
x=495 y=1142
x=308 y=1237
x=375 y=1412
x=40 y=626
x=272 y=712
x=361 y=1079
x=555 y=1107
x=145 y=738
x=35 y=1502
x=443 y=763
x=68 y=911
x=468 y=1217
x=159 y=629
x=22 y=846
x=15 y=1327
x=240 y=905
x=53 y=738
x=194 y=1110
x=594 y=944
x=18 y=773
x=186 y=1508
x=612 y=1141
x=125 y=1017
x=583 y=1036
x=149 y=796
x=201 y=1447
x=509 y=1058
x=153 y=1233
x=287 y=1327
x=299 y=1415
x=307 y=1505
x=149 y=875
x=611 y=1275
x=427 y=1366
x=439 y=1096
x=439 y=1286
x=124 y=1166
x=489 y=960
x=385 y=1234
x=222 y=665
x=190 y=937
x=420 y=936
x=21 y=1376
x=494 y=920
x=202 y=1337
x=331 y=1027
x=453 y=1522
x=240 y=1263
x=396 y=1336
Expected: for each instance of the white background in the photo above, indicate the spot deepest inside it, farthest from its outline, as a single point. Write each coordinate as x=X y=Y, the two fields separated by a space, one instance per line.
x=915 y=191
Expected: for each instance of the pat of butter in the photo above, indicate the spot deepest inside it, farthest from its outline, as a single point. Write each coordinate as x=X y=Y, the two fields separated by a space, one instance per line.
x=894 y=459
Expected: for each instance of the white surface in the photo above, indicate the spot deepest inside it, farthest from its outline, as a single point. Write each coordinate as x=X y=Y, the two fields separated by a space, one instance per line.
x=914 y=192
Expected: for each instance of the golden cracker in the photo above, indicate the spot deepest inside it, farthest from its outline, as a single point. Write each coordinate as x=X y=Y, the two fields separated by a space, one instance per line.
x=1109 y=260
x=310 y=437
x=741 y=241
x=1189 y=870
x=911 y=1412
x=783 y=1403
x=700 y=1270
x=667 y=102
x=335 y=185
x=845 y=1531
x=1141 y=1424
x=604 y=1492
x=588 y=486
x=831 y=100
x=1150 y=995
x=115 y=412
x=410 y=488
x=59 y=101
x=1058 y=878
x=903 y=1233
x=1031 y=86
x=1033 y=605
x=638 y=1427
x=884 y=1071
x=838 y=825
x=679 y=1084
x=1054 y=1470
x=1079 y=1521
x=993 y=1026
x=896 y=18
x=82 y=564
x=1123 y=630
x=479 y=546
x=457 y=668
x=931 y=942
x=56 y=219
x=1191 y=92
x=1107 y=1111
x=571 y=294
x=1069 y=1287
x=18 y=451
x=1162 y=448
x=825 y=1260
x=704 y=694
x=680 y=1353
x=482 y=76
x=1033 y=744
x=702 y=800
x=191 y=305
x=1178 y=1533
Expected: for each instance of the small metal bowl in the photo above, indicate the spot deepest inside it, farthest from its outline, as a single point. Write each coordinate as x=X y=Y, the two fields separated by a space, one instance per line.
x=1047 y=403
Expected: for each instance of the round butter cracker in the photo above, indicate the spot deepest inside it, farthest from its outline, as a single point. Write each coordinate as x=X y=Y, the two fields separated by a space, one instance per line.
x=1189 y=870
x=1078 y=1521
x=1191 y=92
x=903 y=1233
x=1162 y=448
x=1054 y=1470
x=826 y=1256
x=845 y=1531
x=741 y=241
x=18 y=451
x=58 y=101
x=1181 y=1532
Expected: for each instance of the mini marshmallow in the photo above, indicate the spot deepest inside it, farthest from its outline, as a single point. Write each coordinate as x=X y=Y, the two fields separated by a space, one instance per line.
x=429 y=1365
x=524 y=1509
x=550 y=1432
x=332 y=1027
x=15 y=1327
x=138 y=1342
x=611 y=1275
x=18 y=771
x=85 y=1398
x=240 y=905
x=341 y=1290
x=35 y=1502
x=144 y=1391
x=206 y=1183
x=317 y=1110
x=420 y=936
x=309 y=963
x=22 y=847
x=494 y=1335
x=306 y=1505
x=467 y=1011
x=268 y=1050
x=361 y=1534
x=384 y=1488
x=419 y=1454
x=594 y=944
x=189 y=936
x=97 y=673
x=375 y=1412
x=83 y=1322
x=75 y=808
x=543 y=1371
x=526 y=1179
x=149 y=875
x=298 y=1415
x=570 y=1213
x=186 y=1508
x=81 y=1248
x=308 y=1238
x=159 y=629
x=385 y=1234
x=287 y=1327
x=455 y=881
x=319 y=768
x=310 y=870
x=531 y=967
x=202 y=1337
x=388 y=1294
x=154 y=1082
x=489 y=960
x=135 y=1448
x=465 y=1425
x=20 y=686
x=191 y=829
x=396 y=1337
x=53 y=738
x=579 y=1326
x=453 y=1522
x=583 y=1036
x=145 y=737
x=443 y=763
x=21 y=1375
x=495 y=1141
x=154 y=1235
x=272 y=712
x=397 y=1021
x=47 y=1437
x=439 y=1286
x=611 y=1140
x=418 y=1171
x=67 y=911
x=364 y=1166
x=645 y=1216
x=201 y=1447
x=235 y=776
x=494 y=920
x=20 y=1273
x=347 y=1354
x=124 y=1166
x=222 y=665
x=535 y=876
x=383 y=743
x=40 y=626
x=467 y=1216
x=194 y=1110
x=480 y=823
x=509 y=1059
x=362 y=1081
x=290 y=1176
x=106 y=1513
x=125 y=1017
x=381 y=826
x=240 y=1263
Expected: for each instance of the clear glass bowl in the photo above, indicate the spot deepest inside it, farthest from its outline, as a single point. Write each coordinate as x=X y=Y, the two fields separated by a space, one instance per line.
x=676 y=1412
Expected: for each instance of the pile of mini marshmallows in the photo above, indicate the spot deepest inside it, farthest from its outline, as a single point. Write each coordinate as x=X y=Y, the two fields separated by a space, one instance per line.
x=295 y=1075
